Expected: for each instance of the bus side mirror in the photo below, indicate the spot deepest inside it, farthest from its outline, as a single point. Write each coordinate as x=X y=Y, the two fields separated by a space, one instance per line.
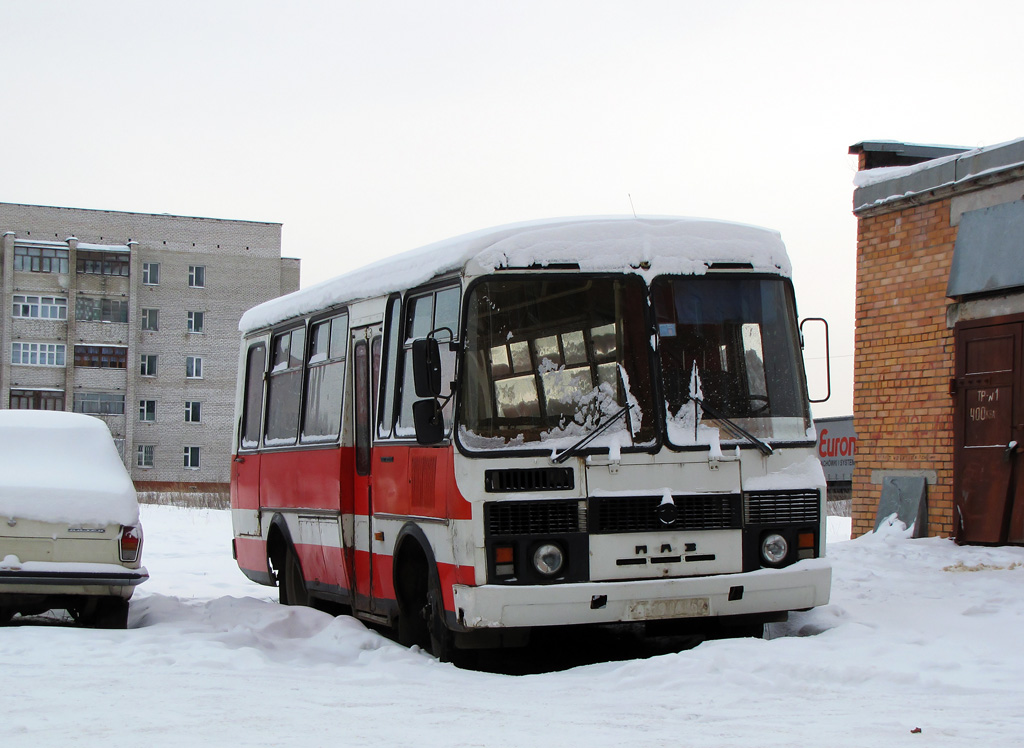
x=819 y=344
x=426 y=367
x=428 y=420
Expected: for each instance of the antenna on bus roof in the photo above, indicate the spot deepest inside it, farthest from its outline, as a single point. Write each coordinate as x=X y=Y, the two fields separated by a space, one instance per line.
x=630 y=196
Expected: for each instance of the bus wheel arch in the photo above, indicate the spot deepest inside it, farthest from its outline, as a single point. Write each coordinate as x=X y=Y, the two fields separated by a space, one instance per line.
x=417 y=582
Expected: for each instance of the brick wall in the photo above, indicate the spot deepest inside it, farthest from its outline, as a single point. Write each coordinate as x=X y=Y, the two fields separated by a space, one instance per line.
x=903 y=413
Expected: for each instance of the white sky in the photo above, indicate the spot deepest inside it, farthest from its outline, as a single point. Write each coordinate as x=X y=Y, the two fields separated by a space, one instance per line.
x=371 y=128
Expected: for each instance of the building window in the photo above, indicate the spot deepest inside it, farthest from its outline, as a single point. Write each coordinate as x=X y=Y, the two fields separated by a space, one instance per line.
x=151 y=319
x=41 y=259
x=102 y=263
x=38 y=354
x=193 y=411
x=147 y=411
x=99 y=403
x=197 y=276
x=40 y=307
x=194 y=367
x=92 y=309
x=148 y=365
x=192 y=458
x=151 y=273
x=37 y=400
x=195 y=321
x=101 y=356
x=144 y=455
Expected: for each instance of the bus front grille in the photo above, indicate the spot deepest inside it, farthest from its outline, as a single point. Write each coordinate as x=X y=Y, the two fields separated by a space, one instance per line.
x=782 y=507
x=535 y=517
x=612 y=514
x=528 y=479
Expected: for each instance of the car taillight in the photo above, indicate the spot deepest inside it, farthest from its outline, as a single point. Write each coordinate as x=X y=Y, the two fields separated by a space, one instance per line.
x=130 y=543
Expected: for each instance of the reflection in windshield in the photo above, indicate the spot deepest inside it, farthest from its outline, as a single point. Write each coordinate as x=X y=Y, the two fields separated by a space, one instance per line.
x=735 y=339
x=552 y=358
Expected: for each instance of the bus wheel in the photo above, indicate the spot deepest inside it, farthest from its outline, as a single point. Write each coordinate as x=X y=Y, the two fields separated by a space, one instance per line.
x=292 y=586
x=411 y=589
x=442 y=641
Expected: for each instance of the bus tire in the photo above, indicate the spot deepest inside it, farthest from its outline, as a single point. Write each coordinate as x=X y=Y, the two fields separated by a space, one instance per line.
x=292 y=587
x=411 y=589
x=442 y=641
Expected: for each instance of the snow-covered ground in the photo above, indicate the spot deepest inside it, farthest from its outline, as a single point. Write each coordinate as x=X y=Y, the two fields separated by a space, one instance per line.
x=919 y=634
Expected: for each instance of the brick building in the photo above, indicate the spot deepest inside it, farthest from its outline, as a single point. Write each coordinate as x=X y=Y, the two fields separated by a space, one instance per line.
x=133 y=318
x=938 y=377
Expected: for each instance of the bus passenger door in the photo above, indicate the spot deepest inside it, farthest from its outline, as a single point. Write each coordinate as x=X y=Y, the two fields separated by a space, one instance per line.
x=365 y=376
x=250 y=550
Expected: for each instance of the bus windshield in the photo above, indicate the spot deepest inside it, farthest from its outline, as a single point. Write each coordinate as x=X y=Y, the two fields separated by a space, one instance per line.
x=732 y=344
x=549 y=359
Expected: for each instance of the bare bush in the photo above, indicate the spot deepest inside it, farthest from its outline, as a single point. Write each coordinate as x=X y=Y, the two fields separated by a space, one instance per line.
x=186 y=499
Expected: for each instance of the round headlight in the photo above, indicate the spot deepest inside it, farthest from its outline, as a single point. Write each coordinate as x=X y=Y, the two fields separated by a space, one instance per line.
x=548 y=559
x=774 y=548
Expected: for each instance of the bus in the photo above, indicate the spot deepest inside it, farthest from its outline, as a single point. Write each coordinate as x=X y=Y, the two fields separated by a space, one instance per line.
x=561 y=422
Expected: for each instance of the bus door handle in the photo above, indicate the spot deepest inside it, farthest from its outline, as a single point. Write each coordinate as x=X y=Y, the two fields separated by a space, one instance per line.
x=239 y=459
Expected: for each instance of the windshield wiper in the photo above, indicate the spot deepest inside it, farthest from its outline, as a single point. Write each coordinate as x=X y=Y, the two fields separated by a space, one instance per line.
x=763 y=447
x=568 y=452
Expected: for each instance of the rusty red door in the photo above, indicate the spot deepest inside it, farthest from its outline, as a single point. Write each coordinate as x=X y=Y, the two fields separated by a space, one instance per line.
x=989 y=434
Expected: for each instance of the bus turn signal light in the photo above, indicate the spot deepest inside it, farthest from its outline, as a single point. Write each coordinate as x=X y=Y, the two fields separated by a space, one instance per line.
x=504 y=560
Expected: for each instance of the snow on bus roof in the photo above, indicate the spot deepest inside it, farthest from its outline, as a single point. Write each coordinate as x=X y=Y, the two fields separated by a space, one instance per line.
x=647 y=245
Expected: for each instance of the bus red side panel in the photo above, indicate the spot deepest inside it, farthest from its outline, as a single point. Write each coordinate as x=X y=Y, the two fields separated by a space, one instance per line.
x=417 y=482
x=252 y=554
x=337 y=563
x=302 y=479
x=245 y=482
x=449 y=574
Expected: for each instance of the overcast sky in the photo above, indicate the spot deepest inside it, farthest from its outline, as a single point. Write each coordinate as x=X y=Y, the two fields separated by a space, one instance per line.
x=368 y=128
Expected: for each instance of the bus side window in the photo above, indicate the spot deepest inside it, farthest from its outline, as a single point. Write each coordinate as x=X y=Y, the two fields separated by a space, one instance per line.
x=436 y=311
x=252 y=405
x=325 y=379
x=388 y=387
x=375 y=354
x=361 y=369
x=284 y=388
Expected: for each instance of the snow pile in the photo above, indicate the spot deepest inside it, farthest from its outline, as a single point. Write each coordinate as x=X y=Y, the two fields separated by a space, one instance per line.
x=650 y=246
x=920 y=635
x=59 y=467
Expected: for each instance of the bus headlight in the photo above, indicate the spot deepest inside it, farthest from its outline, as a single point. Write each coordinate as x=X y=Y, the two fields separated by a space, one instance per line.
x=774 y=548
x=548 y=559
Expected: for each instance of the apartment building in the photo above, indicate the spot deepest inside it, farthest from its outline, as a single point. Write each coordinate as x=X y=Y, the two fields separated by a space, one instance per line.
x=133 y=318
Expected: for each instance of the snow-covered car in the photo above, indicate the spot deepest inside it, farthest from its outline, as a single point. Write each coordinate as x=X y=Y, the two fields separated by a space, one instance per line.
x=70 y=535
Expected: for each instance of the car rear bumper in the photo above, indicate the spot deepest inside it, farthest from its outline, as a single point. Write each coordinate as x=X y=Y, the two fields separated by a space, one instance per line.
x=805 y=584
x=45 y=578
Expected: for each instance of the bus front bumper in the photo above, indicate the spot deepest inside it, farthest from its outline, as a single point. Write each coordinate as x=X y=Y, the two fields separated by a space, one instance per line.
x=805 y=584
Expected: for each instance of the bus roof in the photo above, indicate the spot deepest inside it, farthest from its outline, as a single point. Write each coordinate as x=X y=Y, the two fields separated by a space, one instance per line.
x=648 y=245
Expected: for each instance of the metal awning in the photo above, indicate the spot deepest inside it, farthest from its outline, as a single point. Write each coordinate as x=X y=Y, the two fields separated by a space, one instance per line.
x=989 y=251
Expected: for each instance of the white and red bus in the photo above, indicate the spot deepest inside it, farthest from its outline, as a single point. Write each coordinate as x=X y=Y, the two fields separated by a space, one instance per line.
x=578 y=421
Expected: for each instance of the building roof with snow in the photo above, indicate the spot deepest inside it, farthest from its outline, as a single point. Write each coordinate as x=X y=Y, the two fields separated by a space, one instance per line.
x=957 y=170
